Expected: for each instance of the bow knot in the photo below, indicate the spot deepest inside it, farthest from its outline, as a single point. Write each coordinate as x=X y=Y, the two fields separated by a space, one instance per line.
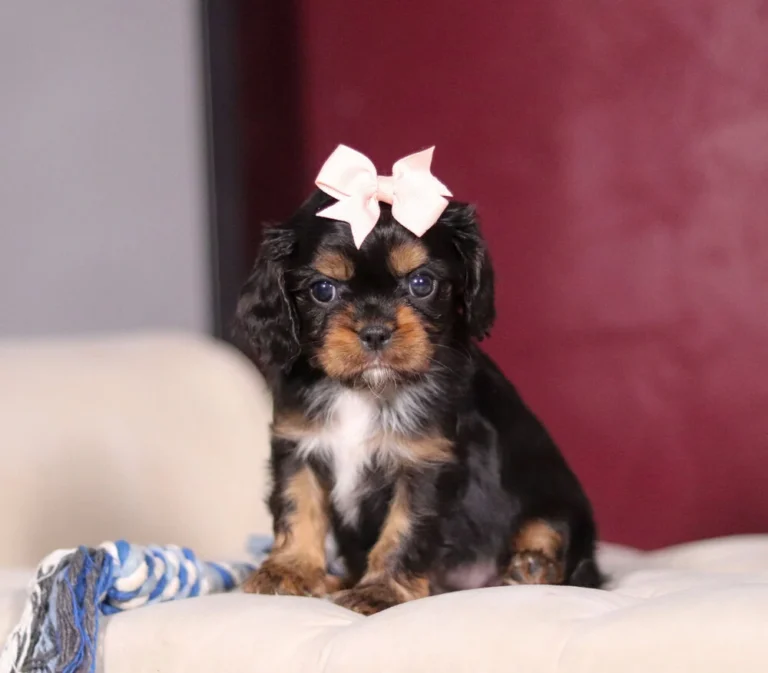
x=417 y=197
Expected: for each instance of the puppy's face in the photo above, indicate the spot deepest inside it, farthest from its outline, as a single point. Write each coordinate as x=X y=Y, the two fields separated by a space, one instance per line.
x=376 y=316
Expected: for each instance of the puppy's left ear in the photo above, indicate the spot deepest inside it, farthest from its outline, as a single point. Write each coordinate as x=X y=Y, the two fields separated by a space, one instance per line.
x=478 y=292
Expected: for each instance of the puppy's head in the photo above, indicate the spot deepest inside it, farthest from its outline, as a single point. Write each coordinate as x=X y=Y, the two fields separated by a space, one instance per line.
x=385 y=313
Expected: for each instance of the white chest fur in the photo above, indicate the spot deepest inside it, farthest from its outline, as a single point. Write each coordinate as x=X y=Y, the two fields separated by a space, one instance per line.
x=352 y=438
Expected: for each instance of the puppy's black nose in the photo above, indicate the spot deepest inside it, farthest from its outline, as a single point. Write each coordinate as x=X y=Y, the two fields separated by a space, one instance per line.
x=375 y=337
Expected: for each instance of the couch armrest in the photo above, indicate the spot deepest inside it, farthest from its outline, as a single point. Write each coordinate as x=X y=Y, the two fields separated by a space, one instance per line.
x=151 y=438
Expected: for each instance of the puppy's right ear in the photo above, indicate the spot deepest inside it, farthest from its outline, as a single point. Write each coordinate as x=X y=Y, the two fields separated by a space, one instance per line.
x=266 y=324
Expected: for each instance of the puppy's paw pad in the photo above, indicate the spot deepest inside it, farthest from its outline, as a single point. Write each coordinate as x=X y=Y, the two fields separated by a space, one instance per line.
x=534 y=567
x=277 y=579
x=367 y=599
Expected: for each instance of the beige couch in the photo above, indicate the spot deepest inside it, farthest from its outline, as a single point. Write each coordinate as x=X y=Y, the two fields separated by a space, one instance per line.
x=164 y=439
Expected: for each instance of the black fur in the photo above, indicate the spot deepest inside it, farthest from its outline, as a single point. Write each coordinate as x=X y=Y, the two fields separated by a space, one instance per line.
x=266 y=321
x=505 y=470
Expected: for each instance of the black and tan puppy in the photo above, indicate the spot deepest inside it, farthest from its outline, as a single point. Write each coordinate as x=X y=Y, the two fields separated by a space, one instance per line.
x=392 y=430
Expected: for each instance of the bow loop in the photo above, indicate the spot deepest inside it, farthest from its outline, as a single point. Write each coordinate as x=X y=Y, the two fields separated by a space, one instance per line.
x=417 y=197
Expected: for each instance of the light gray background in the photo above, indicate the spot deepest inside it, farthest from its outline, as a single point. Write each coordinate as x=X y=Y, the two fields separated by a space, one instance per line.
x=102 y=167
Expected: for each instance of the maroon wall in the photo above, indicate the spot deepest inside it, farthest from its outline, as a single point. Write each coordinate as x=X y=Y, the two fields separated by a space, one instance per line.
x=618 y=154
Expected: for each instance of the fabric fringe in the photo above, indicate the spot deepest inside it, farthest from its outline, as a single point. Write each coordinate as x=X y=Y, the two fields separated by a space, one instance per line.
x=72 y=588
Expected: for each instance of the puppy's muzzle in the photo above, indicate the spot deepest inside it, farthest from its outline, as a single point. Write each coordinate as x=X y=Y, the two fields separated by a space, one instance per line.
x=375 y=337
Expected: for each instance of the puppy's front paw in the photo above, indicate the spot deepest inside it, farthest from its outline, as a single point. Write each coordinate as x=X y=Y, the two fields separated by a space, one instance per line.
x=534 y=567
x=368 y=599
x=274 y=577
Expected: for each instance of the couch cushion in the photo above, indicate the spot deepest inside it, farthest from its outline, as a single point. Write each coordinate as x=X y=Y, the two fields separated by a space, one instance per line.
x=700 y=607
x=150 y=438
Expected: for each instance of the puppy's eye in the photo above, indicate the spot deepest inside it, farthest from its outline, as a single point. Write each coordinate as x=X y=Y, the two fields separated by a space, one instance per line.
x=421 y=285
x=323 y=291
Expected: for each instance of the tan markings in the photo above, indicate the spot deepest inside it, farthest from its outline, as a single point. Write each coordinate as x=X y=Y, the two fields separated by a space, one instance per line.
x=334 y=264
x=386 y=584
x=410 y=350
x=341 y=354
x=368 y=599
x=433 y=448
x=280 y=539
x=296 y=565
x=373 y=597
x=412 y=587
x=537 y=557
x=538 y=535
x=290 y=578
x=382 y=560
x=306 y=524
x=407 y=257
x=293 y=425
x=393 y=534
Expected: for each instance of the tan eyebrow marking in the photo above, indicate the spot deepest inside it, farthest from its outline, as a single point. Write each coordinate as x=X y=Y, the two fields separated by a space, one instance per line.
x=406 y=257
x=334 y=264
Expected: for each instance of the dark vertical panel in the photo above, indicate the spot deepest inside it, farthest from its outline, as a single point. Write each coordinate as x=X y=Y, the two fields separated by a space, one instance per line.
x=228 y=232
x=257 y=168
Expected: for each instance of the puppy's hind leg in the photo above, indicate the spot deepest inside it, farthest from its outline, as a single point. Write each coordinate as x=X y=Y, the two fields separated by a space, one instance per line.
x=538 y=554
x=543 y=552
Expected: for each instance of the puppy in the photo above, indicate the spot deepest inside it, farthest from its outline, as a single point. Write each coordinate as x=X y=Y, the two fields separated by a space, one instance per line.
x=392 y=430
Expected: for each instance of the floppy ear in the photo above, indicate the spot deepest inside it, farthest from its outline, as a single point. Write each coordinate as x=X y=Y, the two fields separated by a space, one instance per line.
x=266 y=324
x=478 y=292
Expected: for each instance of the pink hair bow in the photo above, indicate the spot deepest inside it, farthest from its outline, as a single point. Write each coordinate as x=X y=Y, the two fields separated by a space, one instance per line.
x=418 y=198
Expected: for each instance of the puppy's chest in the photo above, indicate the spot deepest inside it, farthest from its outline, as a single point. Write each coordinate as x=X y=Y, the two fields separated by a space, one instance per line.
x=355 y=439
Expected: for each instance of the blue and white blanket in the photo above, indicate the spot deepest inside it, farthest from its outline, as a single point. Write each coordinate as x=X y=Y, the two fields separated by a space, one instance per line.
x=72 y=589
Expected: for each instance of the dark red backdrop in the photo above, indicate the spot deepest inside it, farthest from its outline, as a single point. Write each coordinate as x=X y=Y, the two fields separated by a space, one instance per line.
x=618 y=152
